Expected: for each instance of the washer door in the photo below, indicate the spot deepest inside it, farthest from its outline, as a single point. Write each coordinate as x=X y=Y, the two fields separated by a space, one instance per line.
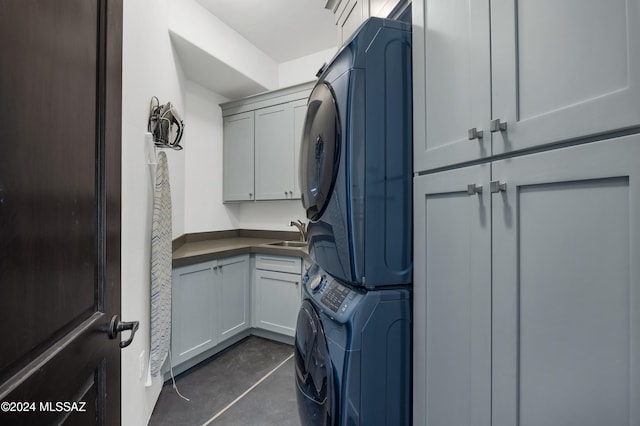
x=314 y=372
x=320 y=151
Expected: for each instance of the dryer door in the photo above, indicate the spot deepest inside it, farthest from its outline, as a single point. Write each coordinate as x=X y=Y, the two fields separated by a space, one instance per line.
x=320 y=151
x=314 y=372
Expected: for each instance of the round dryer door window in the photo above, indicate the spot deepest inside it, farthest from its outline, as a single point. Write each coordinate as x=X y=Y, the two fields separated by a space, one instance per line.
x=314 y=372
x=320 y=151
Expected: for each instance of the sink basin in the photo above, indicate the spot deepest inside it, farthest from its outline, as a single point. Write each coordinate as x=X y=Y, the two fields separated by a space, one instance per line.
x=289 y=244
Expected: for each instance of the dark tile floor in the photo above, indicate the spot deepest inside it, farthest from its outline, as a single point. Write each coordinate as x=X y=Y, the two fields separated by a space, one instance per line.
x=214 y=384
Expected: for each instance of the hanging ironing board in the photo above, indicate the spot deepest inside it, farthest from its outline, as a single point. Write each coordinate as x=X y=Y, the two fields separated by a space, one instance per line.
x=161 y=234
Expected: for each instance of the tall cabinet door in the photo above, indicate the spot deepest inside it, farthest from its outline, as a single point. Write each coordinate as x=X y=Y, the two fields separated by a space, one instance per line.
x=274 y=136
x=452 y=297
x=452 y=52
x=566 y=286
x=563 y=70
x=238 y=157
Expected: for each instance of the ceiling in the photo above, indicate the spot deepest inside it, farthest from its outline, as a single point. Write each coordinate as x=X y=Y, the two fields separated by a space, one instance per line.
x=283 y=29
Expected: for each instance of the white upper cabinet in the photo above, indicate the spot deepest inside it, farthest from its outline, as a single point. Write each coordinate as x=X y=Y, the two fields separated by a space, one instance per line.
x=262 y=136
x=238 y=157
x=455 y=97
x=525 y=73
x=563 y=70
x=350 y=14
x=274 y=152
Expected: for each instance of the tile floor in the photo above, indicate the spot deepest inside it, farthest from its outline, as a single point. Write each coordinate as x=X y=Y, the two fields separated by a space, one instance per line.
x=231 y=389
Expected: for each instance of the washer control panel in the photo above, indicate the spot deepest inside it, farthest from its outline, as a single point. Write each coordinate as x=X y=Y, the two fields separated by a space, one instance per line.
x=333 y=298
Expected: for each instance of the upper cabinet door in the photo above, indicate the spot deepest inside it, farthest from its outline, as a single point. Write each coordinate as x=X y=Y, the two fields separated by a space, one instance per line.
x=238 y=157
x=563 y=70
x=274 y=152
x=350 y=17
x=452 y=98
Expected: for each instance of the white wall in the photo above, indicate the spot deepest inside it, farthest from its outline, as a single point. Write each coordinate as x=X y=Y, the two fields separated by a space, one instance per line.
x=193 y=22
x=303 y=69
x=273 y=215
x=204 y=210
x=148 y=69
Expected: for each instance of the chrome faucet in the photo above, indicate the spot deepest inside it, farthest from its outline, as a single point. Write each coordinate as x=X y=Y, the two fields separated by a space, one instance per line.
x=301 y=227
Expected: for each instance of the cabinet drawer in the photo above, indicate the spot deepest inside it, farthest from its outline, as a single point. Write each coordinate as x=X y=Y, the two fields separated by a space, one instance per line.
x=287 y=264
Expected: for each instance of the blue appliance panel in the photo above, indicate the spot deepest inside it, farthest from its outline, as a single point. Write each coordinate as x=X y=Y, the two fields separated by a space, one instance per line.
x=353 y=354
x=356 y=189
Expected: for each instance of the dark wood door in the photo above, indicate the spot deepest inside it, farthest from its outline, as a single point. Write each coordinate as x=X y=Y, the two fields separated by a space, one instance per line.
x=60 y=121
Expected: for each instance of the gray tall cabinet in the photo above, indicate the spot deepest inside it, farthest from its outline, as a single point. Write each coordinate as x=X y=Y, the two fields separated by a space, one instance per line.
x=527 y=207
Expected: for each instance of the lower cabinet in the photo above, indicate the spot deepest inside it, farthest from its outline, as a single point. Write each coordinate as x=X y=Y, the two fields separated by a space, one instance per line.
x=234 y=309
x=527 y=289
x=452 y=299
x=277 y=293
x=210 y=303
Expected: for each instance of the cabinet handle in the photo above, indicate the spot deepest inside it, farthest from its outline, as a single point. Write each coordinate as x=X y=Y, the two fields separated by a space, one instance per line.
x=474 y=189
x=250 y=195
x=497 y=125
x=297 y=283
x=474 y=133
x=496 y=186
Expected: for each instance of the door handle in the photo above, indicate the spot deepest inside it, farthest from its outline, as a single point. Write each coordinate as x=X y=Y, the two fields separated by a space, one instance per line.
x=497 y=126
x=497 y=186
x=474 y=133
x=474 y=189
x=116 y=326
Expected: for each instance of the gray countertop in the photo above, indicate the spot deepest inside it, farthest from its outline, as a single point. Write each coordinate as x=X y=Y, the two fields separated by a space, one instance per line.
x=202 y=247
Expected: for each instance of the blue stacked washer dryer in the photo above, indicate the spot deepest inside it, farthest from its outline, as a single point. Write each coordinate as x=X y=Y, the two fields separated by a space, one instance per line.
x=353 y=335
